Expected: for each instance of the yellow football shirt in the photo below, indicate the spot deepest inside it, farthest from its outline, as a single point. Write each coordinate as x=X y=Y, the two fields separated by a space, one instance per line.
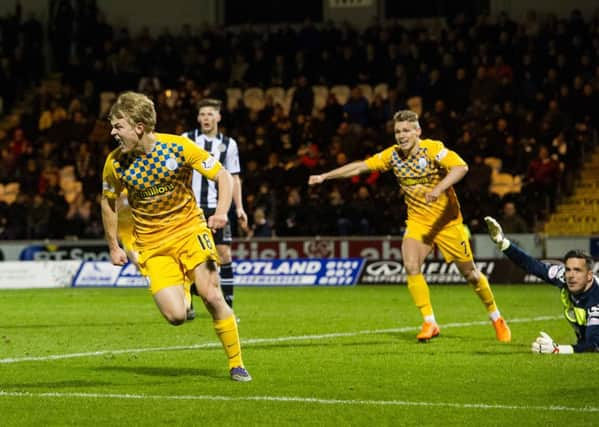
x=158 y=186
x=417 y=174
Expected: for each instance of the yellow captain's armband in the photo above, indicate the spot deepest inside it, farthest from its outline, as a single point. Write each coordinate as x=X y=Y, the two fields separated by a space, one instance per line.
x=573 y=314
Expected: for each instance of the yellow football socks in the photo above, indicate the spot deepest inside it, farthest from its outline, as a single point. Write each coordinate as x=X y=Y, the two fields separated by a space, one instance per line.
x=420 y=294
x=228 y=335
x=484 y=292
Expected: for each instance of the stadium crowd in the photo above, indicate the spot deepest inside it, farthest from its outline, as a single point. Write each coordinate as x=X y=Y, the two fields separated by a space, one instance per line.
x=514 y=98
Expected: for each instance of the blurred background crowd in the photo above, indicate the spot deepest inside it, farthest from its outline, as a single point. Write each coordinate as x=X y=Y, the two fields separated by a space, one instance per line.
x=515 y=98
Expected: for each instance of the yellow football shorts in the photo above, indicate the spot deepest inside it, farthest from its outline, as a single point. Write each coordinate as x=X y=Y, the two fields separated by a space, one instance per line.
x=452 y=240
x=172 y=263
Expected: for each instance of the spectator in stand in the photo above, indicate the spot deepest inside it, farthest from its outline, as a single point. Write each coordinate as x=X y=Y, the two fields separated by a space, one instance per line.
x=239 y=68
x=511 y=221
x=291 y=217
x=60 y=33
x=356 y=110
x=460 y=85
x=483 y=87
x=336 y=214
x=303 y=98
x=542 y=178
x=512 y=157
x=260 y=226
x=38 y=218
x=362 y=212
x=279 y=74
x=8 y=164
x=479 y=176
x=434 y=88
x=379 y=112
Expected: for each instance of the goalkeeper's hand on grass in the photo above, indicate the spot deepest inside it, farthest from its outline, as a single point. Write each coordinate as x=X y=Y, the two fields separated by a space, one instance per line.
x=545 y=344
x=496 y=233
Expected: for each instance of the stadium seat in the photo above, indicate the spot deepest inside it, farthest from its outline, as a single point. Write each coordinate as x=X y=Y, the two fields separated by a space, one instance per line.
x=501 y=183
x=341 y=92
x=288 y=99
x=11 y=192
x=234 y=94
x=367 y=92
x=253 y=98
x=320 y=96
x=277 y=93
x=382 y=89
x=494 y=162
x=517 y=185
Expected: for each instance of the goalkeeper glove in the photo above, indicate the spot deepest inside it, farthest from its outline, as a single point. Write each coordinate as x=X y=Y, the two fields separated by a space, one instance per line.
x=545 y=344
x=496 y=233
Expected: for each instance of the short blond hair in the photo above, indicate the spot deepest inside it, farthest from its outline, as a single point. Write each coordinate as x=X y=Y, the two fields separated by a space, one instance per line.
x=135 y=108
x=406 y=116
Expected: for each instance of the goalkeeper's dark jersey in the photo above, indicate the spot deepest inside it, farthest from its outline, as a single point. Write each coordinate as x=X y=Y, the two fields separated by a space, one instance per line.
x=581 y=310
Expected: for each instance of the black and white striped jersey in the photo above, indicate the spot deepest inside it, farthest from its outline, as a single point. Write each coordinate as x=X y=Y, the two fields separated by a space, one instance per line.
x=225 y=150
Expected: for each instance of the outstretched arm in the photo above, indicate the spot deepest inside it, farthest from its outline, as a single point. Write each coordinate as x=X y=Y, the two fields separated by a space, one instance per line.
x=346 y=171
x=552 y=274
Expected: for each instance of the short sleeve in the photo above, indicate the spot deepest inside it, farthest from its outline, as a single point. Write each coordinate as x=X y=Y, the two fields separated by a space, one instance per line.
x=444 y=156
x=200 y=160
x=381 y=161
x=111 y=184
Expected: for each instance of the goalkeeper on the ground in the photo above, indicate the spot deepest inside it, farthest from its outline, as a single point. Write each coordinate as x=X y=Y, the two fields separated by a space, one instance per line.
x=579 y=292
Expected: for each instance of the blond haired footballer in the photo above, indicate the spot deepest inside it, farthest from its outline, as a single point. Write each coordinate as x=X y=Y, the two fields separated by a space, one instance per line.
x=170 y=235
x=426 y=171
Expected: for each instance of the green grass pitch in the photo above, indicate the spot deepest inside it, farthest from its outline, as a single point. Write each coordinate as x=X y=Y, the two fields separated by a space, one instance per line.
x=319 y=356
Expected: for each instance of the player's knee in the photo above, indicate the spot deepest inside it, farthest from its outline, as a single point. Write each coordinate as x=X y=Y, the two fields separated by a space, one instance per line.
x=472 y=276
x=412 y=267
x=175 y=317
x=224 y=253
x=214 y=299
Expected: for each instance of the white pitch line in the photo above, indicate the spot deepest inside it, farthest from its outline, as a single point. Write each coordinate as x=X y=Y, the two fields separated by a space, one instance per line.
x=255 y=341
x=293 y=399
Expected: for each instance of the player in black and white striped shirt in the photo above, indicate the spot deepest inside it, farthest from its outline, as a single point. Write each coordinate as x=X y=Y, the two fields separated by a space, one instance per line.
x=224 y=149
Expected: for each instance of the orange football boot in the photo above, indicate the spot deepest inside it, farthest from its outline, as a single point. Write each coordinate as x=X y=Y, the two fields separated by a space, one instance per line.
x=429 y=330
x=502 y=330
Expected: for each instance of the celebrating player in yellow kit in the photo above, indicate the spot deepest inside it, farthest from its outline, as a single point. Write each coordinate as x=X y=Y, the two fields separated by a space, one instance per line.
x=170 y=234
x=426 y=171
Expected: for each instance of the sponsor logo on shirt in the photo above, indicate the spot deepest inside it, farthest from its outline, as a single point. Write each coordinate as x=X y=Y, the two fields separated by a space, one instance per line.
x=154 y=191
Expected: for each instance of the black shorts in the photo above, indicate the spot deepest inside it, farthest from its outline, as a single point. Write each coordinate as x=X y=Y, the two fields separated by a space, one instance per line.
x=222 y=236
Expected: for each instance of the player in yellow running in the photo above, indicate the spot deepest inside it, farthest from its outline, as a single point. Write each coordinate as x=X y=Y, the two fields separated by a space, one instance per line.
x=426 y=171
x=171 y=237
